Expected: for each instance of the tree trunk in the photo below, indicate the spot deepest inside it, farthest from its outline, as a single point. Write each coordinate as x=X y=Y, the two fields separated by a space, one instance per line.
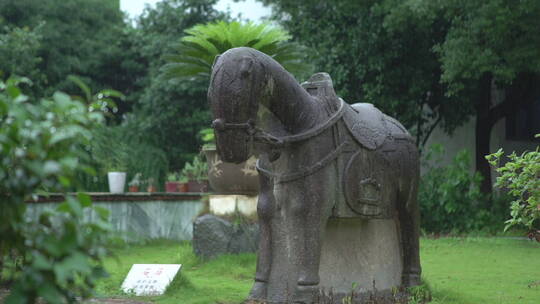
x=522 y=91
x=483 y=133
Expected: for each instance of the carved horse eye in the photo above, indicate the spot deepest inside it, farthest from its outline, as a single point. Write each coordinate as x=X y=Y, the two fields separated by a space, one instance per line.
x=218 y=124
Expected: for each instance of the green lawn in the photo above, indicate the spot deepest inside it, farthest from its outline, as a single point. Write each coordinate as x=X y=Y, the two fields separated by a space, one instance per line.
x=458 y=270
x=223 y=280
x=482 y=270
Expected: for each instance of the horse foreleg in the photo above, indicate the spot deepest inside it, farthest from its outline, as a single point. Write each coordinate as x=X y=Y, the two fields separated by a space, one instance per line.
x=409 y=217
x=310 y=210
x=265 y=212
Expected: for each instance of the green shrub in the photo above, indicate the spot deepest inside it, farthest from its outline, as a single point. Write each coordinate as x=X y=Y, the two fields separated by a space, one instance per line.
x=450 y=198
x=521 y=177
x=117 y=148
x=59 y=256
x=197 y=169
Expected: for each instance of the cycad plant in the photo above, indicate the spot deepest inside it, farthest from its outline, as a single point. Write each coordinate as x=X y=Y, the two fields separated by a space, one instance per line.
x=195 y=52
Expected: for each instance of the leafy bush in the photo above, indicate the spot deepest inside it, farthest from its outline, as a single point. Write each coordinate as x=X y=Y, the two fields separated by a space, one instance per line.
x=197 y=50
x=450 y=197
x=521 y=177
x=59 y=256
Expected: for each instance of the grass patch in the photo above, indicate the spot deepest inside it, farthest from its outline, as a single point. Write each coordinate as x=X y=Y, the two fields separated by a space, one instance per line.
x=226 y=279
x=482 y=270
x=458 y=271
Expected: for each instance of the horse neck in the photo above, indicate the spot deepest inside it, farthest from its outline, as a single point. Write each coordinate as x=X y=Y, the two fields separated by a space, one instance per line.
x=292 y=109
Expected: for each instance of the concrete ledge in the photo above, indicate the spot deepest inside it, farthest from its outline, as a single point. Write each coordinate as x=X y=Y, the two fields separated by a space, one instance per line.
x=136 y=216
x=126 y=197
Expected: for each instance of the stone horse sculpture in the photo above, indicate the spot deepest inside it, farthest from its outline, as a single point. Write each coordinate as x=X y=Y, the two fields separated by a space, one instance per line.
x=319 y=159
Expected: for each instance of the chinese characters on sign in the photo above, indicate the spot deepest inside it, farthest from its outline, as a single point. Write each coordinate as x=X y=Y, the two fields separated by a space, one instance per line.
x=149 y=279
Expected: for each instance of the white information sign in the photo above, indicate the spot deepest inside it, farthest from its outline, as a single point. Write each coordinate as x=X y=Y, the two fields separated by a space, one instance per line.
x=149 y=279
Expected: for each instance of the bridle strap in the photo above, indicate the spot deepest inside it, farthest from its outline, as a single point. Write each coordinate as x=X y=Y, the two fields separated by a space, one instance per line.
x=264 y=137
x=303 y=172
x=258 y=135
x=285 y=140
x=220 y=125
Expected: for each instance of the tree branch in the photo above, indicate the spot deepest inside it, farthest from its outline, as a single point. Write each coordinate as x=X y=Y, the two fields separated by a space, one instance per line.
x=431 y=129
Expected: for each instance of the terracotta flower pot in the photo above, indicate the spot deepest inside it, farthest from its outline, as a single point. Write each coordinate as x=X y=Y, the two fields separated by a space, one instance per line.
x=230 y=178
x=183 y=187
x=133 y=188
x=171 y=186
x=151 y=188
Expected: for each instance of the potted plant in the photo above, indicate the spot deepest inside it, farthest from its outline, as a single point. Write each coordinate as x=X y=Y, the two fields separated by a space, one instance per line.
x=183 y=185
x=115 y=164
x=135 y=183
x=228 y=178
x=116 y=175
x=150 y=185
x=197 y=175
x=172 y=184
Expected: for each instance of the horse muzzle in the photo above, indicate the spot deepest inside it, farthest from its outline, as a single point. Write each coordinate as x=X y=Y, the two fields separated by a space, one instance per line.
x=233 y=147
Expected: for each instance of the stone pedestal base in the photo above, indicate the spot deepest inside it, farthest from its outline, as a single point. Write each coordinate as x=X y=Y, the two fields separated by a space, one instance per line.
x=232 y=203
x=366 y=253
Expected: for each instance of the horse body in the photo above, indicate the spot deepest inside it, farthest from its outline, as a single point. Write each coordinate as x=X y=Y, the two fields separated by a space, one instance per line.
x=319 y=158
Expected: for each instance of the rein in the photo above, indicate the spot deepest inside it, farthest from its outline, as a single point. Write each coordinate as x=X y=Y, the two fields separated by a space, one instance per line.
x=258 y=135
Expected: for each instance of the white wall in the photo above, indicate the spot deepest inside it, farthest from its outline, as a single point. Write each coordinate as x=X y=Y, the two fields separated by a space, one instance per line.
x=464 y=138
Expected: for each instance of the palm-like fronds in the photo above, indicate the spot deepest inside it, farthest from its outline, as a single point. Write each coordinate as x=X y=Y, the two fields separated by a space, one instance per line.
x=195 y=52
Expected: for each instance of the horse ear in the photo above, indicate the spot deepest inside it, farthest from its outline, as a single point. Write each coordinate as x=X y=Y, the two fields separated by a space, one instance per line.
x=215 y=60
x=246 y=65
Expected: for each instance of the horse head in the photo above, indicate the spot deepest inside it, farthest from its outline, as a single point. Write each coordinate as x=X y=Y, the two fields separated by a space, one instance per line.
x=237 y=85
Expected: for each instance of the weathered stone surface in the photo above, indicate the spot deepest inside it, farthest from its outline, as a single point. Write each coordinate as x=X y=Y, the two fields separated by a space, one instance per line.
x=213 y=236
x=372 y=246
x=245 y=238
x=319 y=159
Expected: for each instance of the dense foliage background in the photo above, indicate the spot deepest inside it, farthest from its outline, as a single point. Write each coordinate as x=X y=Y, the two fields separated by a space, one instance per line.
x=428 y=63
x=49 y=40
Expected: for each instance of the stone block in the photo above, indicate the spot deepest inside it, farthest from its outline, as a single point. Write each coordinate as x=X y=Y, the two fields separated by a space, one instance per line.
x=229 y=204
x=247 y=205
x=245 y=238
x=364 y=252
x=213 y=236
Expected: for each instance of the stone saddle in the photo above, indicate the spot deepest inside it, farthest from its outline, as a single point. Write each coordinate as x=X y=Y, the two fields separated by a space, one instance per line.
x=364 y=188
